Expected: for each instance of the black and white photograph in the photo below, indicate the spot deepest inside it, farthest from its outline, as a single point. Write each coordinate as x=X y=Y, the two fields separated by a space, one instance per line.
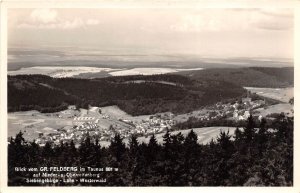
x=150 y=97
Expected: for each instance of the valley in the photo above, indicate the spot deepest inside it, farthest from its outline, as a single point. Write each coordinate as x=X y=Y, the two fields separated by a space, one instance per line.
x=63 y=109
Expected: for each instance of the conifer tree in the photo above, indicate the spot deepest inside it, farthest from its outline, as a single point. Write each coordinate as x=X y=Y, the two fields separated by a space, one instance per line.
x=117 y=148
x=249 y=130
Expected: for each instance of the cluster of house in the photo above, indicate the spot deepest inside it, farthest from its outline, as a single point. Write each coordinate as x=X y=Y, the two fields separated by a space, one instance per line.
x=238 y=111
x=76 y=133
x=242 y=110
x=153 y=125
x=90 y=125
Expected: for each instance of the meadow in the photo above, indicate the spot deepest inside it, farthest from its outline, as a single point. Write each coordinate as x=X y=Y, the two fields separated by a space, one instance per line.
x=280 y=94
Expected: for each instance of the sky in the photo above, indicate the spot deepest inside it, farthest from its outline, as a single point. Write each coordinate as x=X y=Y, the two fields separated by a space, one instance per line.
x=207 y=32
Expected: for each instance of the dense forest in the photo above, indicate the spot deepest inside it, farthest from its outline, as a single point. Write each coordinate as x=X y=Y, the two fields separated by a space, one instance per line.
x=247 y=77
x=253 y=156
x=153 y=94
x=193 y=122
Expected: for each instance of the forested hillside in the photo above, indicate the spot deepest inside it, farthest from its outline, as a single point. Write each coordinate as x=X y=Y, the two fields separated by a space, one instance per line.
x=134 y=94
x=247 y=77
x=282 y=74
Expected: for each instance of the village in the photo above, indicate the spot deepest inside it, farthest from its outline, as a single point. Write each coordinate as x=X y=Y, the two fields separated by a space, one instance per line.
x=91 y=125
x=240 y=110
x=104 y=125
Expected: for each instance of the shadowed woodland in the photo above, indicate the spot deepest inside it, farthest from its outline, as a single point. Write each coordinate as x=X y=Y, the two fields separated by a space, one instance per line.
x=254 y=156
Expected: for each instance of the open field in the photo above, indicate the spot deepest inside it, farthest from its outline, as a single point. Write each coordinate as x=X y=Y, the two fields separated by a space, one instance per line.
x=88 y=72
x=33 y=122
x=186 y=116
x=116 y=113
x=59 y=72
x=278 y=108
x=280 y=94
x=149 y=71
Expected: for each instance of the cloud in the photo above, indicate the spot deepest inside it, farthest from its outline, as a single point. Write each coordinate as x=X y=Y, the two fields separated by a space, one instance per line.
x=234 y=20
x=277 y=12
x=50 y=19
x=92 y=22
x=274 y=26
x=272 y=19
x=209 y=20
x=43 y=16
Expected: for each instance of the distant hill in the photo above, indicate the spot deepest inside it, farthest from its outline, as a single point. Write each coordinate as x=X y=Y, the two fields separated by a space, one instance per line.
x=135 y=95
x=250 y=77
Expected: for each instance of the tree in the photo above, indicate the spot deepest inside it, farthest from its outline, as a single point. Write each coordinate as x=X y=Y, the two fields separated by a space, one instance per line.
x=71 y=154
x=19 y=140
x=47 y=154
x=133 y=145
x=262 y=136
x=238 y=134
x=133 y=159
x=282 y=127
x=117 y=148
x=167 y=144
x=153 y=143
x=249 y=130
x=224 y=153
x=225 y=142
x=291 y=101
x=181 y=161
x=191 y=157
x=152 y=150
x=86 y=151
x=191 y=139
x=97 y=154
